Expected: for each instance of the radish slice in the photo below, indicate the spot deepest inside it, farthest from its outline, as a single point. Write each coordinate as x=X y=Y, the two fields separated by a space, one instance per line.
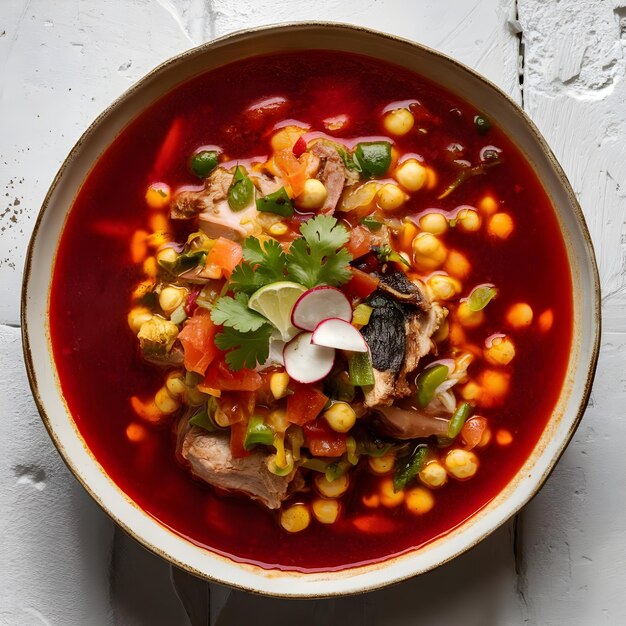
x=306 y=362
x=318 y=304
x=339 y=334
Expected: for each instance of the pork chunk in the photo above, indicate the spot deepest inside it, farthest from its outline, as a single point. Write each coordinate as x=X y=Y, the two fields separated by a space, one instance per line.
x=209 y=458
x=333 y=173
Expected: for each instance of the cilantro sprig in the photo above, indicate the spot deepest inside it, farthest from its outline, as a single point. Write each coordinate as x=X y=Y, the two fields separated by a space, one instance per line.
x=317 y=257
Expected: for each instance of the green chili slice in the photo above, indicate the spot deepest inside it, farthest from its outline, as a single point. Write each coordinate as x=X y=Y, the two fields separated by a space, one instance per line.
x=204 y=162
x=258 y=433
x=409 y=467
x=482 y=124
x=428 y=381
x=204 y=417
x=277 y=202
x=481 y=297
x=241 y=190
x=361 y=370
x=460 y=416
x=373 y=158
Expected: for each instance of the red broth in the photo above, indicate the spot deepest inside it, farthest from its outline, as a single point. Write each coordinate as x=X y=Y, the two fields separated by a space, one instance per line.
x=96 y=354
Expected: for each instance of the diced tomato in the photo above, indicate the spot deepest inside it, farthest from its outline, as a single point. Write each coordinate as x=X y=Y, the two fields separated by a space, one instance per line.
x=360 y=242
x=304 y=404
x=322 y=440
x=294 y=170
x=299 y=148
x=472 y=431
x=219 y=376
x=225 y=254
x=237 y=437
x=198 y=339
x=237 y=407
x=361 y=285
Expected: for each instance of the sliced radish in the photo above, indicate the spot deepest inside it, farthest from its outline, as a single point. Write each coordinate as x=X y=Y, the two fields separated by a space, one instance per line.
x=306 y=362
x=339 y=334
x=319 y=304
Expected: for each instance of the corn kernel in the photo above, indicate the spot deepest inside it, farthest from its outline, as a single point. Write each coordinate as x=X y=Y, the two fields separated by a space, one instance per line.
x=286 y=137
x=419 y=500
x=444 y=287
x=411 y=174
x=468 y=220
x=326 y=511
x=139 y=246
x=158 y=196
x=137 y=316
x=433 y=474
x=545 y=321
x=398 y=122
x=388 y=497
x=171 y=298
x=158 y=223
x=295 y=518
x=159 y=238
x=340 y=417
x=431 y=178
x=504 y=437
x=166 y=255
x=500 y=352
x=488 y=205
x=278 y=384
x=390 y=197
x=277 y=419
x=136 y=432
x=471 y=391
x=175 y=384
x=150 y=267
x=142 y=288
x=469 y=318
x=278 y=229
x=164 y=402
x=457 y=265
x=462 y=464
x=520 y=315
x=428 y=251
x=435 y=223
x=500 y=225
x=408 y=230
x=494 y=382
x=313 y=195
x=382 y=464
x=371 y=501
x=331 y=489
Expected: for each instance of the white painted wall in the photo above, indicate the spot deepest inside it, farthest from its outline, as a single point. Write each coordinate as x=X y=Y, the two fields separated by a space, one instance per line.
x=61 y=62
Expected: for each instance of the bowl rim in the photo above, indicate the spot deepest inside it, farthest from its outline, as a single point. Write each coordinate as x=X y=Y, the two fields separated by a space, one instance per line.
x=233 y=38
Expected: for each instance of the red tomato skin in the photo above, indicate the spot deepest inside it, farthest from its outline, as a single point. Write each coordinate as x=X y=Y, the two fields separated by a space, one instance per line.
x=219 y=376
x=322 y=440
x=305 y=404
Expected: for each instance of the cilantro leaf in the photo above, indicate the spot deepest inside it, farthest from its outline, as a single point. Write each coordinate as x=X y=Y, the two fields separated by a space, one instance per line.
x=234 y=313
x=264 y=263
x=317 y=257
x=245 y=349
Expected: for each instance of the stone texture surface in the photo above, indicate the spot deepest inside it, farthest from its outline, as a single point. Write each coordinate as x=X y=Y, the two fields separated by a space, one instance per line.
x=63 y=562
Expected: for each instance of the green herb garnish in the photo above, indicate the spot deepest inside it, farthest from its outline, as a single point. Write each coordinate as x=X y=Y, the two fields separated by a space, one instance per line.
x=371 y=222
x=234 y=313
x=245 y=349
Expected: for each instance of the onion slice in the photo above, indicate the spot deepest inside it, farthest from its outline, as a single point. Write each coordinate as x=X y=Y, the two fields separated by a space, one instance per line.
x=318 y=304
x=306 y=362
x=339 y=334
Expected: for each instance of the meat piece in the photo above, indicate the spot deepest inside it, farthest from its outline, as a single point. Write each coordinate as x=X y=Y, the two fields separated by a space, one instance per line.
x=209 y=457
x=210 y=204
x=332 y=173
x=398 y=334
x=411 y=422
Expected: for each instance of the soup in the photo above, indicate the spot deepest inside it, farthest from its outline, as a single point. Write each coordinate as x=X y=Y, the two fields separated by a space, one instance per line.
x=310 y=311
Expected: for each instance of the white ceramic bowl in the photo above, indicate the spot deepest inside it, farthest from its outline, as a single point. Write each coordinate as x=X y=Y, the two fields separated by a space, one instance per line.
x=442 y=70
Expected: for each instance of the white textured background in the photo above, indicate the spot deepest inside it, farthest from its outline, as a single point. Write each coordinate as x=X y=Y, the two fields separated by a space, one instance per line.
x=563 y=560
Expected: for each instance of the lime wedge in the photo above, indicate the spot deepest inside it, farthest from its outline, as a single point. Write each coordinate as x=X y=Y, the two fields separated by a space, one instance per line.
x=275 y=301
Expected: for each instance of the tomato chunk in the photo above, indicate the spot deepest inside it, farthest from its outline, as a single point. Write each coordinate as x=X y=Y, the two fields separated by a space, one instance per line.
x=304 y=404
x=473 y=430
x=198 y=339
x=225 y=254
x=219 y=376
x=322 y=440
x=360 y=242
x=361 y=285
